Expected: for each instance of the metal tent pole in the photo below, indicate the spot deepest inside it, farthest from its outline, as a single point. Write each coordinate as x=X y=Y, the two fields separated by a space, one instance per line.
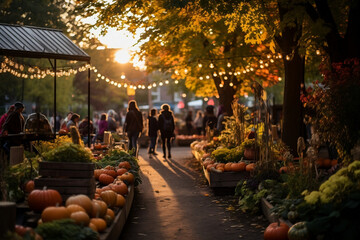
x=89 y=139
x=54 y=99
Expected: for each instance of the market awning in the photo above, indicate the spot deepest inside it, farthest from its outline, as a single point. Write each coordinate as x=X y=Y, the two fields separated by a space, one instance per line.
x=36 y=42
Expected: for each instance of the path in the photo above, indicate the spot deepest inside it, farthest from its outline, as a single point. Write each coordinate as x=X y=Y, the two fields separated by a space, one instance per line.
x=174 y=203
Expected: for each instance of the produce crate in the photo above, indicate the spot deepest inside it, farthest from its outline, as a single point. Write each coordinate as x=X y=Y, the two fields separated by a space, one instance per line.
x=266 y=208
x=224 y=179
x=67 y=178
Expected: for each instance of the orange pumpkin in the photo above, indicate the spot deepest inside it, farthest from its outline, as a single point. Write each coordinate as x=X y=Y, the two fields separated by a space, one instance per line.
x=120 y=188
x=220 y=165
x=125 y=164
x=98 y=190
x=250 y=167
x=105 y=179
x=327 y=163
x=106 y=188
x=108 y=167
x=110 y=213
x=38 y=200
x=128 y=177
x=110 y=172
x=99 y=223
x=54 y=213
x=283 y=170
x=207 y=162
x=98 y=210
x=120 y=201
x=220 y=169
x=80 y=218
x=276 y=231
x=228 y=167
x=121 y=171
x=75 y=208
x=93 y=227
x=82 y=200
x=334 y=162
x=238 y=167
x=29 y=186
x=97 y=173
x=109 y=197
x=209 y=167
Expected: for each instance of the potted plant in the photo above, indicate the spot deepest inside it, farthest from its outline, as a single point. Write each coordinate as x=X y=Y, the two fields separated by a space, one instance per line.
x=249 y=146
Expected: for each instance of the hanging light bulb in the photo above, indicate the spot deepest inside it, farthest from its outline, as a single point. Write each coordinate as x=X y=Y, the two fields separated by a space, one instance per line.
x=225 y=78
x=176 y=72
x=261 y=61
x=318 y=52
x=123 y=76
x=102 y=77
x=211 y=65
x=207 y=77
x=228 y=64
x=125 y=85
x=119 y=85
x=149 y=87
x=176 y=81
x=99 y=75
x=154 y=84
x=215 y=74
x=161 y=83
x=186 y=71
x=167 y=82
x=271 y=60
x=199 y=65
x=221 y=85
x=231 y=84
x=287 y=57
x=279 y=78
x=201 y=78
x=206 y=99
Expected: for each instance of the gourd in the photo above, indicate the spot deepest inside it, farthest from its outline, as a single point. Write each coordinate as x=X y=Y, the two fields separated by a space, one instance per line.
x=298 y=231
x=54 y=213
x=105 y=179
x=38 y=200
x=276 y=231
x=82 y=200
x=128 y=177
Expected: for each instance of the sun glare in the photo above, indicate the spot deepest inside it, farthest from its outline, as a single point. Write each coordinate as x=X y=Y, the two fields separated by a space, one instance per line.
x=122 y=56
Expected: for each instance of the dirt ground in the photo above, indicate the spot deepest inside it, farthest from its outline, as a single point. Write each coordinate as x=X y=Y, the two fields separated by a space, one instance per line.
x=174 y=202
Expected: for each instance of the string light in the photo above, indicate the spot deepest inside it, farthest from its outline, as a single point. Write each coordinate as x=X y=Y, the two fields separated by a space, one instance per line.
x=231 y=84
x=318 y=52
x=176 y=81
x=211 y=65
x=201 y=78
x=228 y=64
x=287 y=57
x=167 y=82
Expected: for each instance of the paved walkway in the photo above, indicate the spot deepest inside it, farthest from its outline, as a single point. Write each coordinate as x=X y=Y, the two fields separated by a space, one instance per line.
x=173 y=202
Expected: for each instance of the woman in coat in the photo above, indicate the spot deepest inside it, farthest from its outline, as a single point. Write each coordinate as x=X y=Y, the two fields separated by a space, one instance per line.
x=167 y=127
x=133 y=126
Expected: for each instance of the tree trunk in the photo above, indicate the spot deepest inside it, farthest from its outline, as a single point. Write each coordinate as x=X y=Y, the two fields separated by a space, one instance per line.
x=292 y=108
x=226 y=95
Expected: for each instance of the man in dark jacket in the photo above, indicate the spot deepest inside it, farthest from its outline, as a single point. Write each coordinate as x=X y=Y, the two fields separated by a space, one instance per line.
x=153 y=131
x=167 y=128
x=133 y=126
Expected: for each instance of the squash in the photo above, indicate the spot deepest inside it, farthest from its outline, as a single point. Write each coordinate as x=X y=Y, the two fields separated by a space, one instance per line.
x=298 y=231
x=105 y=179
x=97 y=173
x=121 y=171
x=82 y=200
x=75 y=208
x=99 y=209
x=125 y=164
x=80 y=218
x=99 y=223
x=120 y=187
x=128 y=177
x=108 y=167
x=110 y=172
x=93 y=227
x=38 y=200
x=29 y=186
x=283 y=170
x=120 y=201
x=54 y=213
x=109 y=197
x=110 y=213
x=250 y=167
x=276 y=231
x=228 y=167
x=238 y=167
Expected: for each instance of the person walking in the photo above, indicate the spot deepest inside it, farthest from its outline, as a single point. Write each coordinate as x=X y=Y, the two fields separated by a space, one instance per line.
x=153 y=131
x=198 y=122
x=4 y=117
x=210 y=119
x=189 y=123
x=167 y=127
x=103 y=126
x=133 y=126
x=14 y=124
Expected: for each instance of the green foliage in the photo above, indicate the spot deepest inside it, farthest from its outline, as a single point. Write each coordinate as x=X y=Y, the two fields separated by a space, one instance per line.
x=221 y=154
x=114 y=157
x=46 y=146
x=298 y=182
x=249 y=197
x=16 y=176
x=68 y=152
x=65 y=229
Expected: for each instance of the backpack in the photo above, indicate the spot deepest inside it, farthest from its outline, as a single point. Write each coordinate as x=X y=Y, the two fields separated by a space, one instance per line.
x=168 y=126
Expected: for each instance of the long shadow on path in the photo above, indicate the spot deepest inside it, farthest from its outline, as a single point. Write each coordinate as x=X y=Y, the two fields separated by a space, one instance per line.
x=170 y=205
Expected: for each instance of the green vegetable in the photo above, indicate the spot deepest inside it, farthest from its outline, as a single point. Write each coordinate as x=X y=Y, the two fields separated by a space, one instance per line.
x=65 y=229
x=298 y=231
x=68 y=152
x=221 y=155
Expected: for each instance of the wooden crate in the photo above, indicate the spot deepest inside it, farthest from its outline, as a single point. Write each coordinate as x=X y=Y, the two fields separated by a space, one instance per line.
x=225 y=179
x=67 y=178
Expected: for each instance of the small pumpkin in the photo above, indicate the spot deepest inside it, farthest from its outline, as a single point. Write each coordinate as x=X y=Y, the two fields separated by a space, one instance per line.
x=110 y=213
x=93 y=227
x=120 y=201
x=80 y=218
x=54 y=213
x=125 y=164
x=29 y=186
x=97 y=173
x=82 y=200
x=250 y=167
x=283 y=169
x=99 y=208
x=109 y=197
x=99 y=223
x=298 y=231
x=334 y=162
x=75 y=208
x=105 y=179
x=109 y=167
x=120 y=187
x=121 y=171
x=228 y=167
x=276 y=231
x=220 y=165
x=238 y=167
x=128 y=177
x=249 y=153
x=110 y=172
x=209 y=167
x=38 y=200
